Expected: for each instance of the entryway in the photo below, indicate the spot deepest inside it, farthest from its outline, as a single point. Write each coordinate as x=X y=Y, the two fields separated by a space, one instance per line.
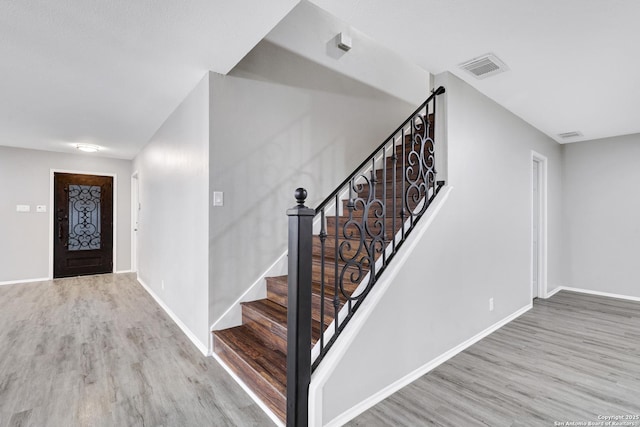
x=83 y=224
x=538 y=226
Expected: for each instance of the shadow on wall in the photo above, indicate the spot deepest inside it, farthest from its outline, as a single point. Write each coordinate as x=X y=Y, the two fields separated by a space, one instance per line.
x=268 y=62
x=278 y=122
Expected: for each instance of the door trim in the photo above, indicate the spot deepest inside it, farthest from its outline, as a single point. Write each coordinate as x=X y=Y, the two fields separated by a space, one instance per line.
x=542 y=226
x=135 y=218
x=52 y=172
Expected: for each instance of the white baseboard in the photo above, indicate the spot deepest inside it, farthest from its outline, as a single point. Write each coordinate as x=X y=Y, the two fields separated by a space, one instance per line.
x=16 y=282
x=251 y=394
x=598 y=293
x=200 y=346
x=553 y=292
x=412 y=376
x=124 y=271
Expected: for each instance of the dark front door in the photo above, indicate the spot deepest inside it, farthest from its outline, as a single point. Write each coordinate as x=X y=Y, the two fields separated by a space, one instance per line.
x=83 y=218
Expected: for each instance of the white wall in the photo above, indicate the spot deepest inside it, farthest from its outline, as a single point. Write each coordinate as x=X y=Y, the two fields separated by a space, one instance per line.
x=310 y=32
x=602 y=214
x=173 y=173
x=278 y=122
x=478 y=247
x=25 y=178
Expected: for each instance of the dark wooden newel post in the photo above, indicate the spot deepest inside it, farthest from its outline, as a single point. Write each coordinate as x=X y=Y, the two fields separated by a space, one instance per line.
x=299 y=312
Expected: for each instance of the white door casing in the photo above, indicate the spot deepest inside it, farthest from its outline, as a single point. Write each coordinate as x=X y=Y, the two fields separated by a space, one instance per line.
x=535 y=230
x=538 y=225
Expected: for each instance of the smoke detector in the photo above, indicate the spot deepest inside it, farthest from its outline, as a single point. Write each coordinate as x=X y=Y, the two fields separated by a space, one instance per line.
x=569 y=135
x=344 y=41
x=484 y=66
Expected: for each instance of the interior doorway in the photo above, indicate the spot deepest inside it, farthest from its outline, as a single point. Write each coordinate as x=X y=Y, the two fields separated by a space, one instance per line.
x=538 y=226
x=135 y=220
x=83 y=224
x=535 y=230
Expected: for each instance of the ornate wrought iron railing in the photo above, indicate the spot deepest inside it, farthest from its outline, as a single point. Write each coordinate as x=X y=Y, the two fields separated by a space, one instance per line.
x=338 y=251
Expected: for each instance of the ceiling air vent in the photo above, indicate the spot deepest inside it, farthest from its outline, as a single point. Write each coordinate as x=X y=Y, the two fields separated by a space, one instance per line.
x=484 y=66
x=569 y=135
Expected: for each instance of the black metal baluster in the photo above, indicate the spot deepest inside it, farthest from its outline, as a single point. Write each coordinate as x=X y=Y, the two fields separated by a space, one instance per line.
x=436 y=184
x=384 y=205
x=299 y=311
x=351 y=206
x=394 y=161
x=403 y=212
x=336 y=298
x=433 y=145
x=412 y=149
x=323 y=238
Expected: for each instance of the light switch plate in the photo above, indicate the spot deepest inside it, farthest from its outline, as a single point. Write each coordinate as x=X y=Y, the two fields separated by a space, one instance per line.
x=23 y=208
x=41 y=208
x=218 y=198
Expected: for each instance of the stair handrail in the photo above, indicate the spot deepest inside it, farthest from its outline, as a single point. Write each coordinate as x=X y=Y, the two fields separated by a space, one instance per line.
x=439 y=91
x=376 y=246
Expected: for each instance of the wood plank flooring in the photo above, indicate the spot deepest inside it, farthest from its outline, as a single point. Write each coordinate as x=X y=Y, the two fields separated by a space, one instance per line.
x=571 y=358
x=98 y=351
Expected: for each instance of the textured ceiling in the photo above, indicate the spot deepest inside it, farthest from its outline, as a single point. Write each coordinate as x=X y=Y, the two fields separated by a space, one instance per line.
x=574 y=64
x=110 y=72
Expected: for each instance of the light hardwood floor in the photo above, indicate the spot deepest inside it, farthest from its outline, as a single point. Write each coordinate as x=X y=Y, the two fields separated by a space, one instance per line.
x=573 y=357
x=98 y=351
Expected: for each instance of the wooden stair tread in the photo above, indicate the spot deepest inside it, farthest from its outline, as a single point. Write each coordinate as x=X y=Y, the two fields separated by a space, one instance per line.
x=277 y=291
x=330 y=268
x=264 y=358
x=375 y=208
x=372 y=223
x=386 y=190
x=330 y=250
x=260 y=366
x=276 y=315
x=315 y=286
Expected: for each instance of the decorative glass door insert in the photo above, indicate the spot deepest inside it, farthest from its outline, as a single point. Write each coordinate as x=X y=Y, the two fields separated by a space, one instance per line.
x=84 y=217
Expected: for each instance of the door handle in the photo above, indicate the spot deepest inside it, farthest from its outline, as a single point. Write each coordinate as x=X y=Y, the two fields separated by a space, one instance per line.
x=61 y=227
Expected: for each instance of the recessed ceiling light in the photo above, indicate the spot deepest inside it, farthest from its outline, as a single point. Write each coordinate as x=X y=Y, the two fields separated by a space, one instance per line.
x=87 y=148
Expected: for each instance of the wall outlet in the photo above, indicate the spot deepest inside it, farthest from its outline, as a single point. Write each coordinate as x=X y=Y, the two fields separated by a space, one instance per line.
x=490 y=304
x=23 y=208
x=41 y=208
x=162 y=284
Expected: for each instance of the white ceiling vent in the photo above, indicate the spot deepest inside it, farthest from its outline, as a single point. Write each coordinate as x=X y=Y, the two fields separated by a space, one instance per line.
x=484 y=66
x=569 y=135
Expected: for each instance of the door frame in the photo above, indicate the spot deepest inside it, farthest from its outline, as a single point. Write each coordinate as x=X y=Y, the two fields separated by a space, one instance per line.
x=135 y=219
x=542 y=223
x=52 y=173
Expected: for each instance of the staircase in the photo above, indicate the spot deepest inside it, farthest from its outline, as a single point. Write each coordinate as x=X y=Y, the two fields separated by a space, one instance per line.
x=256 y=350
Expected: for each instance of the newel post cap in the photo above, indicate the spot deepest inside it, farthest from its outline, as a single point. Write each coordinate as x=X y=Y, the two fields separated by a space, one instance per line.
x=300 y=209
x=300 y=195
